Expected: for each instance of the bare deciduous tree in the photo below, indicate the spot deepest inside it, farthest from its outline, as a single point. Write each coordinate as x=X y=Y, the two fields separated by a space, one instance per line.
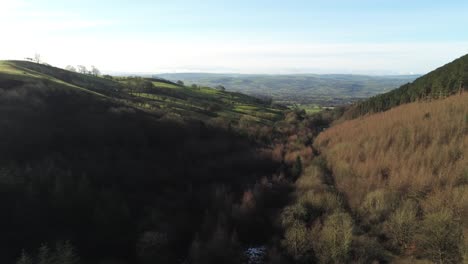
x=82 y=69
x=37 y=58
x=70 y=68
x=95 y=71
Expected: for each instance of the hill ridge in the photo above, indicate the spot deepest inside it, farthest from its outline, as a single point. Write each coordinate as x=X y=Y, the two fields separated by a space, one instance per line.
x=446 y=80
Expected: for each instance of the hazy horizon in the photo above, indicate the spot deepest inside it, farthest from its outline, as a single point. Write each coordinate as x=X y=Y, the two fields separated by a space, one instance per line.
x=241 y=37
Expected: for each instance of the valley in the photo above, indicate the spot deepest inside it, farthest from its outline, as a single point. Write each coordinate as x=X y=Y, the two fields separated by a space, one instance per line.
x=109 y=169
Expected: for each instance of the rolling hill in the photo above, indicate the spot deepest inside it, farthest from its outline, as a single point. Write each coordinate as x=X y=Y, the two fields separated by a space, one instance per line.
x=128 y=169
x=155 y=95
x=323 y=90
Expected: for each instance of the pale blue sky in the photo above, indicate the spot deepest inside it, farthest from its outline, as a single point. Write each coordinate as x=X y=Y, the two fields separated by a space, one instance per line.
x=256 y=36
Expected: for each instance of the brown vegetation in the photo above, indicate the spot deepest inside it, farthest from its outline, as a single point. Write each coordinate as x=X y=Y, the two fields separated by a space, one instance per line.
x=404 y=173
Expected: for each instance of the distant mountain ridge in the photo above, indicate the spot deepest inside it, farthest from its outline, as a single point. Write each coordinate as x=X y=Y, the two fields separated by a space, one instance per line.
x=322 y=89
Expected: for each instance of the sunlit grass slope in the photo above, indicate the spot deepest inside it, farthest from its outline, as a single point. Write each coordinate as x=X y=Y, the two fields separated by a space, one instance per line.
x=163 y=98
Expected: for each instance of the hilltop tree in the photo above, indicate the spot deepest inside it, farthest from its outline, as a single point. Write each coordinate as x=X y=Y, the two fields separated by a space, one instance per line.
x=70 y=68
x=179 y=82
x=95 y=71
x=37 y=58
x=82 y=69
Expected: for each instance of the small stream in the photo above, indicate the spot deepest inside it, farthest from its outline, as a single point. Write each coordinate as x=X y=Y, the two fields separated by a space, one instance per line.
x=255 y=255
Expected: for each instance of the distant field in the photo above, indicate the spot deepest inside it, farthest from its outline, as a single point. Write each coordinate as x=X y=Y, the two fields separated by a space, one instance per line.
x=324 y=90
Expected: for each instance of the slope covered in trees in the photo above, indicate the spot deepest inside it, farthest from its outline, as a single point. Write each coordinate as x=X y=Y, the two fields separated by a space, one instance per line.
x=127 y=179
x=447 y=80
x=403 y=176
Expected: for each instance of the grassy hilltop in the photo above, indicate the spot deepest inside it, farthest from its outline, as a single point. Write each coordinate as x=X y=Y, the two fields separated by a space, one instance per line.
x=157 y=95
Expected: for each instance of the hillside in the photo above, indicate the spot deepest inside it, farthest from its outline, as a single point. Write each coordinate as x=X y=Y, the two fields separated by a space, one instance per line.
x=158 y=96
x=447 y=80
x=403 y=175
x=130 y=170
x=323 y=90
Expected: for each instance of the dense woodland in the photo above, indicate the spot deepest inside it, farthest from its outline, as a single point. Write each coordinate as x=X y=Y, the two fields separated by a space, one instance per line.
x=115 y=170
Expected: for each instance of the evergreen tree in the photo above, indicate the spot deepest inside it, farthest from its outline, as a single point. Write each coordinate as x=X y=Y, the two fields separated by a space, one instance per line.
x=44 y=256
x=24 y=259
x=65 y=253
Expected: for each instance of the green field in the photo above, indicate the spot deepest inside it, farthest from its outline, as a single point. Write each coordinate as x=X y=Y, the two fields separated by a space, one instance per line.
x=310 y=108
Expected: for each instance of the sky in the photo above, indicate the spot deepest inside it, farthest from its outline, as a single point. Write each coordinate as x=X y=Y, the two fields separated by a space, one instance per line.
x=255 y=36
